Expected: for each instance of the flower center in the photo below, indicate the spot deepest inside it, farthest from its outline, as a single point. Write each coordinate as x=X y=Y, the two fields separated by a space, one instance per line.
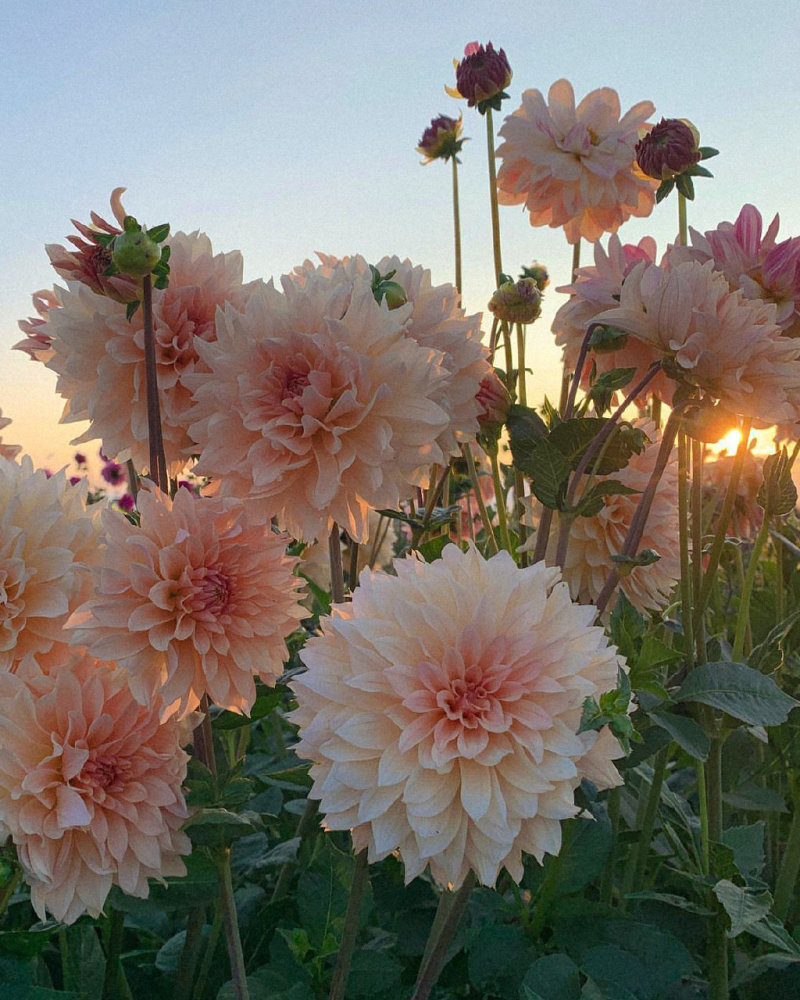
x=465 y=701
x=105 y=772
x=212 y=593
x=295 y=383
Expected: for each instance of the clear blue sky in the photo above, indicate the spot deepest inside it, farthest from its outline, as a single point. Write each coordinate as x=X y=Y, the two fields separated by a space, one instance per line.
x=280 y=129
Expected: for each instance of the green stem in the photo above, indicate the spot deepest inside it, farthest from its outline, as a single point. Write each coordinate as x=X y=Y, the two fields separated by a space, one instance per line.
x=487 y=521
x=115 y=985
x=607 y=883
x=790 y=862
x=158 y=465
x=683 y=545
x=522 y=530
x=231 y=924
x=521 y=386
x=543 y=534
x=457 y=225
x=698 y=621
x=350 y=930
x=717 y=929
x=743 y=616
x=337 y=570
x=500 y=500
x=304 y=827
x=451 y=907
x=8 y=891
x=702 y=806
x=683 y=232
x=634 y=873
x=190 y=951
x=208 y=956
x=546 y=895
x=498 y=262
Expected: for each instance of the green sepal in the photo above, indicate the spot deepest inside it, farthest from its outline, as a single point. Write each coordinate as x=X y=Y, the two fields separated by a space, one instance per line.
x=159 y=233
x=130 y=309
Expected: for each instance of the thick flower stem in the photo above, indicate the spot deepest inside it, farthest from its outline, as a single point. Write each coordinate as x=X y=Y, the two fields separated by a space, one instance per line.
x=717 y=936
x=790 y=863
x=190 y=951
x=697 y=549
x=158 y=464
x=702 y=809
x=683 y=232
x=683 y=544
x=456 y=225
x=304 y=827
x=350 y=929
x=115 y=985
x=487 y=521
x=231 y=924
x=500 y=500
x=743 y=616
x=498 y=262
x=451 y=908
x=199 y=991
x=607 y=883
x=724 y=519
x=634 y=873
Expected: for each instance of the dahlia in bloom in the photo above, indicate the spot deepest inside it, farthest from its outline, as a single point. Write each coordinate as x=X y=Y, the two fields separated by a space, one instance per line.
x=594 y=290
x=594 y=540
x=37 y=342
x=317 y=406
x=441 y=711
x=716 y=339
x=434 y=319
x=754 y=262
x=90 y=785
x=574 y=167
x=99 y=354
x=7 y=450
x=47 y=542
x=198 y=599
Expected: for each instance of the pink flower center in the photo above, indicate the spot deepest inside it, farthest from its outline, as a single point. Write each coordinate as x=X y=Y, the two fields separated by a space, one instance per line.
x=212 y=593
x=466 y=700
x=105 y=772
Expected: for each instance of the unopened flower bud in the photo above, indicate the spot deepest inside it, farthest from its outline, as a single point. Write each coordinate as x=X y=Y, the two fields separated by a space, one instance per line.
x=133 y=252
x=494 y=401
x=482 y=76
x=539 y=274
x=668 y=149
x=441 y=140
x=517 y=301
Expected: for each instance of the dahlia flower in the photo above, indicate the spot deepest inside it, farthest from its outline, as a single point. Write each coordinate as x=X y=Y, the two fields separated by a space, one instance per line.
x=9 y=451
x=668 y=149
x=441 y=140
x=517 y=301
x=47 y=542
x=594 y=540
x=198 y=599
x=441 y=711
x=716 y=339
x=317 y=405
x=758 y=265
x=594 y=290
x=482 y=76
x=90 y=786
x=37 y=341
x=574 y=167
x=434 y=319
x=99 y=354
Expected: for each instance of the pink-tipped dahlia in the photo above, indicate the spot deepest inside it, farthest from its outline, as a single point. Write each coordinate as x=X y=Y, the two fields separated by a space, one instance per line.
x=594 y=290
x=90 y=785
x=99 y=354
x=47 y=542
x=668 y=149
x=317 y=406
x=9 y=451
x=482 y=76
x=441 y=711
x=594 y=540
x=197 y=600
x=37 y=342
x=728 y=346
x=574 y=167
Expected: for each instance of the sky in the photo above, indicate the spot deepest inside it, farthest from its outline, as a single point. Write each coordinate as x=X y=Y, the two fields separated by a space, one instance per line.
x=284 y=129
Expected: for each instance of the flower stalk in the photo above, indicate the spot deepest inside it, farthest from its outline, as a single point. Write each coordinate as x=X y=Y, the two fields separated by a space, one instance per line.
x=350 y=929
x=158 y=462
x=445 y=924
x=456 y=225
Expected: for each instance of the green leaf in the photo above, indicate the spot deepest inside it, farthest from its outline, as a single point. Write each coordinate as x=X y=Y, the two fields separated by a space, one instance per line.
x=777 y=494
x=763 y=656
x=740 y=691
x=217 y=827
x=626 y=627
x=549 y=473
x=771 y=930
x=747 y=844
x=706 y=152
x=685 y=731
x=697 y=171
x=373 y=972
x=670 y=899
x=525 y=430
x=750 y=798
x=159 y=233
x=722 y=861
x=552 y=977
x=497 y=957
x=432 y=549
x=262 y=706
x=744 y=906
x=593 y=500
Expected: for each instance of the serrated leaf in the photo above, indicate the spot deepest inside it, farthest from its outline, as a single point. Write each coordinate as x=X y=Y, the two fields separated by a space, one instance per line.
x=740 y=691
x=552 y=977
x=744 y=906
x=762 y=654
x=549 y=473
x=777 y=494
x=626 y=627
x=685 y=732
x=525 y=429
x=771 y=930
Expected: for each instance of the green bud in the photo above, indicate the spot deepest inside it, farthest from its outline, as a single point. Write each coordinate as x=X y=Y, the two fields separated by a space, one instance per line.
x=133 y=252
x=394 y=293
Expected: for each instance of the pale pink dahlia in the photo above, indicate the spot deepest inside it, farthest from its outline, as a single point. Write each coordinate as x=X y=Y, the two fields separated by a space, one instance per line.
x=7 y=450
x=594 y=540
x=441 y=712
x=758 y=265
x=90 y=786
x=434 y=318
x=317 y=405
x=37 y=342
x=199 y=599
x=47 y=542
x=99 y=354
x=574 y=167
x=594 y=290
x=714 y=338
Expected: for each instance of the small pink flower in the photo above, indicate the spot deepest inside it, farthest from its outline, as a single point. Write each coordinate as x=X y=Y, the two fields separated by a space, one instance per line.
x=79 y=458
x=113 y=473
x=90 y=785
x=126 y=503
x=74 y=480
x=574 y=167
x=199 y=599
x=494 y=400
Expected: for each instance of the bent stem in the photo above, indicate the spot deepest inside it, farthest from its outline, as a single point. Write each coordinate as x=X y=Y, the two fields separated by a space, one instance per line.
x=445 y=924
x=457 y=225
x=351 y=920
x=158 y=464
